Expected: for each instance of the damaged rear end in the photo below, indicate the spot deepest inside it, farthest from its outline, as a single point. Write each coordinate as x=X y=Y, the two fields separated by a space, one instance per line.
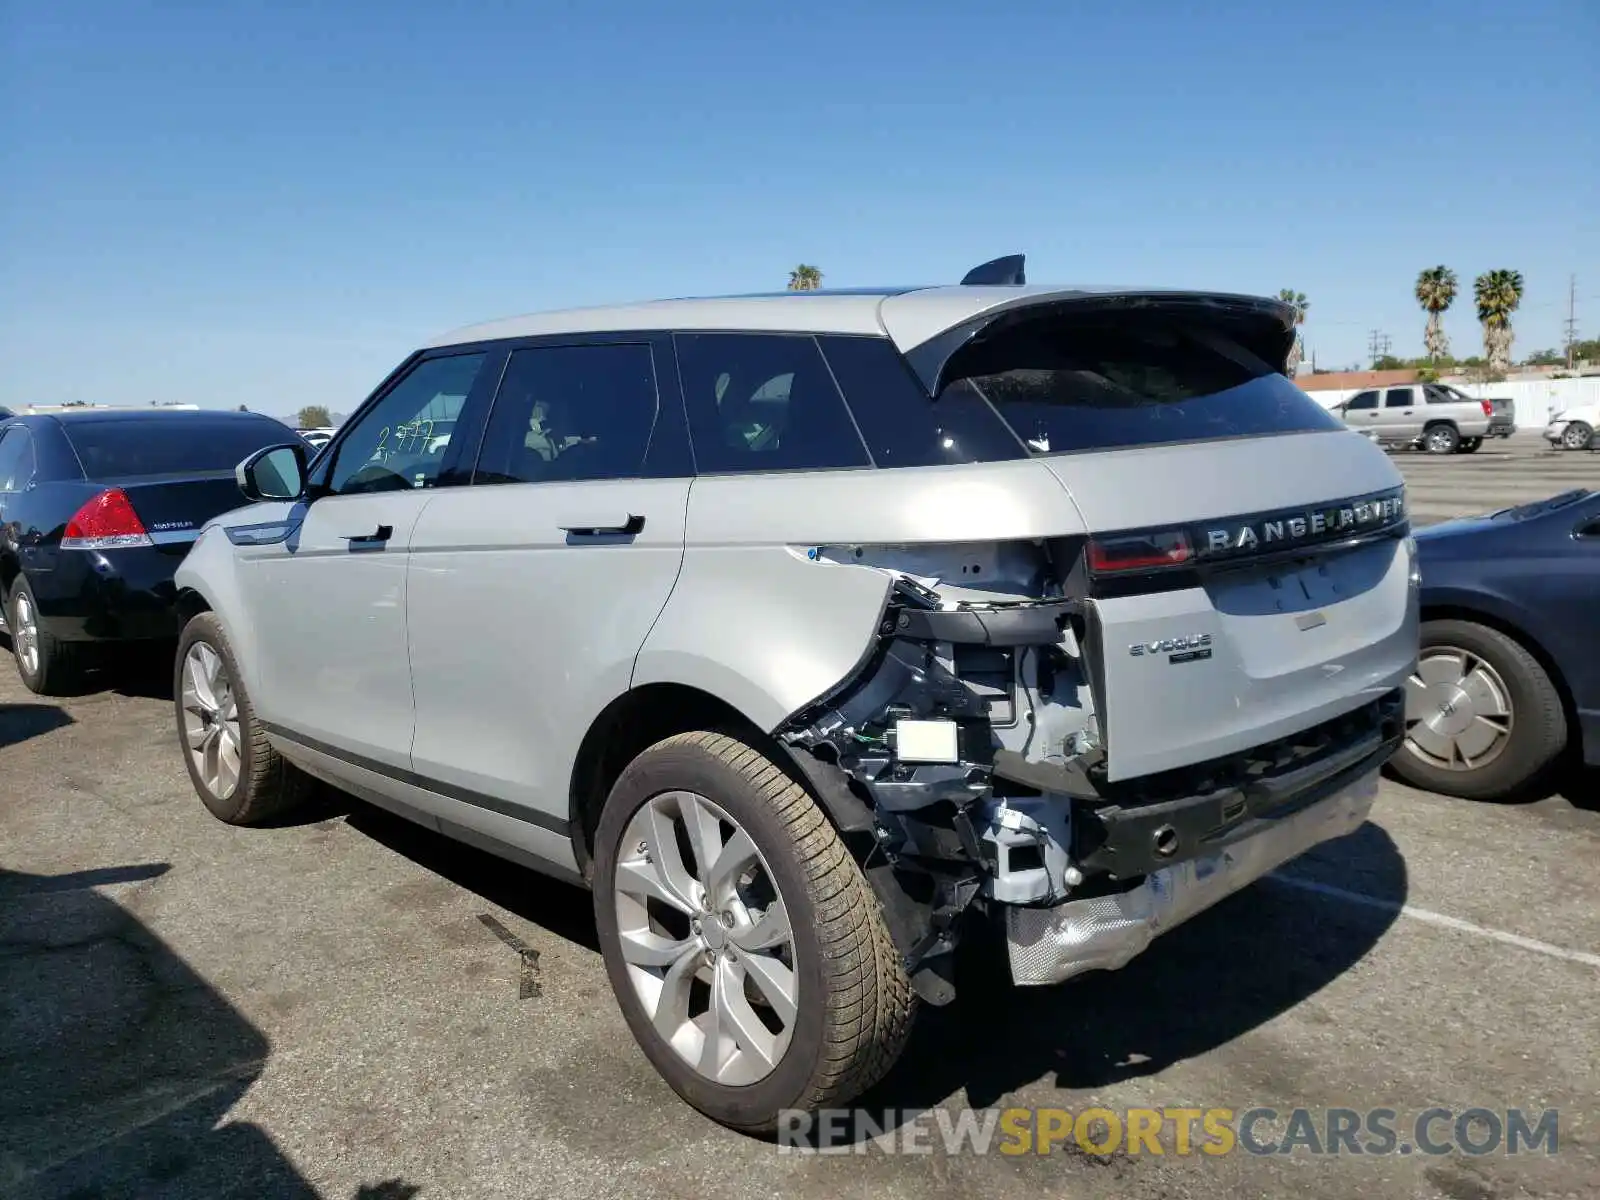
x=1093 y=736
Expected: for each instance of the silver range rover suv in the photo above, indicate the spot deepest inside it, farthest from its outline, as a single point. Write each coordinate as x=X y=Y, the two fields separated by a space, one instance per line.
x=811 y=632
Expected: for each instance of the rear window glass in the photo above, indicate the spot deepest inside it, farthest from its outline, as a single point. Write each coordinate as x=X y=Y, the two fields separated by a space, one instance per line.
x=168 y=446
x=1071 y=386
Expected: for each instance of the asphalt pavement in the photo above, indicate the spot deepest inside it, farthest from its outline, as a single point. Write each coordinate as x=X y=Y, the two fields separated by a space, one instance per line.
x=319 y=1009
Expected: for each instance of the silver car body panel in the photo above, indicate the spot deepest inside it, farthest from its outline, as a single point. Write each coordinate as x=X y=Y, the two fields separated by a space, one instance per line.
x=1050 y=945
x=521 y=633
x=758 y=623
x=1271 y=669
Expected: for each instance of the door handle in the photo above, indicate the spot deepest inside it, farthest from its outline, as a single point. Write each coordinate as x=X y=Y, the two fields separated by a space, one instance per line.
x=583 y=527
x=376 y=538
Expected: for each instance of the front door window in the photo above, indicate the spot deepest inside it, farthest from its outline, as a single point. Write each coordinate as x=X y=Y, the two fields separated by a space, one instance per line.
x=401 y=441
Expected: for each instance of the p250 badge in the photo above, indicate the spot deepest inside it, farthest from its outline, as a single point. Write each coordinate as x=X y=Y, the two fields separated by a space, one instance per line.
x=1189 y=648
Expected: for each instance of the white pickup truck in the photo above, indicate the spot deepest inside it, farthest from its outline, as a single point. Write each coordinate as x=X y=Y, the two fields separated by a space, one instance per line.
x=1431 y=416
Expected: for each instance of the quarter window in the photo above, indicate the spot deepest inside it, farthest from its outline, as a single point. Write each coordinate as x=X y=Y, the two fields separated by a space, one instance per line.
x=571 y=413
x=764 y=403
x=401 y=441
x=901 y=425
x=16 y=459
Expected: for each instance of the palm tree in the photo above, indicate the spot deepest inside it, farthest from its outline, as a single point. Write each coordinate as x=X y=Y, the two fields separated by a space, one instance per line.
x=805 y=278
x=1436 y=291
x=1498 y=294
x=1298 y=301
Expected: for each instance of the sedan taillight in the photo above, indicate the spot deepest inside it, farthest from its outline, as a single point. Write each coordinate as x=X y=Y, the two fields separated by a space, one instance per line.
x=107 y=522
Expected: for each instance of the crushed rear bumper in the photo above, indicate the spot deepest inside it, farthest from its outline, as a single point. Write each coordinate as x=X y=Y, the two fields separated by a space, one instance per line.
x=1049 y=945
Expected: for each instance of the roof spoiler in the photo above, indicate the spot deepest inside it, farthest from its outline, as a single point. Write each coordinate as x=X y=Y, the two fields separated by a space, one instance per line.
x=1265 y=326
x=1005 y=271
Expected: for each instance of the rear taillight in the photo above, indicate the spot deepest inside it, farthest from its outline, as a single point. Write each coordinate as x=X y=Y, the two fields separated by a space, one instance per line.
x=106 y=522
x=1488 y=409
x=1139 y=552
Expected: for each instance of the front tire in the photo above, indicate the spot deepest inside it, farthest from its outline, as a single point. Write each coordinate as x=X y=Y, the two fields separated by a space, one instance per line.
x=1483 y=719
x=236 y=773
x=1441 y=439
x=1577 y=436
x=745 y=947
x=47 y=665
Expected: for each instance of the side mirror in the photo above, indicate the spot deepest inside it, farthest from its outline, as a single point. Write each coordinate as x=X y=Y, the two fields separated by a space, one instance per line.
x=275 y=473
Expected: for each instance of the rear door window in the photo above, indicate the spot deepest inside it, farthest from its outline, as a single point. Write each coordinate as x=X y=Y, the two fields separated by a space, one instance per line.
x=169 y=444
x=571 y=413
x=1397 y=398
x=762 y=402
x=1068 y=385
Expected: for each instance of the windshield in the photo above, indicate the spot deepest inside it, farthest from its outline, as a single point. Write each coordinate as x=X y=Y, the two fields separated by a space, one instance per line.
x=1067 y=386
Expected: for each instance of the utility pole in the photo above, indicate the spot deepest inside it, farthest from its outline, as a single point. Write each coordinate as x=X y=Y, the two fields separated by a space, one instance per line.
x=1572 y=316
x=1377 y=346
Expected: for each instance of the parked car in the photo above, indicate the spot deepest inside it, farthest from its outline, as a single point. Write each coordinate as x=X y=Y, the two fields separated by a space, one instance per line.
x=96 y=510
x=1430 y=416
x=1574 y=428
x=316 y=438
x=1510 y=666
x=802 y=628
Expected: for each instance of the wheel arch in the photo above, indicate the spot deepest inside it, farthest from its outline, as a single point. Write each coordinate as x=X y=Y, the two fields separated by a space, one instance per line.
x=652 y=712
x=191 y=602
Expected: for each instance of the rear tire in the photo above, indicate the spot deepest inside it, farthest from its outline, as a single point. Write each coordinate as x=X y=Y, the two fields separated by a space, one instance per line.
x=47 y=665
x=1507 y=689
x=852 y=1005
x=1577 y=436
x=1441 y=439
x=236 y=773
x=1470 y=445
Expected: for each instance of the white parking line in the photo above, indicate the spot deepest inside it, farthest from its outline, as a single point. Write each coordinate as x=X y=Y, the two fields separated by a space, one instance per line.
x=1433 y=918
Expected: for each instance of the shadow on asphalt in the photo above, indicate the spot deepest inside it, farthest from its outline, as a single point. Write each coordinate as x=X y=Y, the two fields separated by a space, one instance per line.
x=1228 y=971
x=564 y=909
x=118 y=1064
x=19 y=722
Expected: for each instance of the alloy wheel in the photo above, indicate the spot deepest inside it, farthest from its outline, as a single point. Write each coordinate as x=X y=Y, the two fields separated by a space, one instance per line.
x=706 y=937
x=1440 y=440
x=1458 y=710
x=211 y=728
x=1575 y=437
x=25 y=633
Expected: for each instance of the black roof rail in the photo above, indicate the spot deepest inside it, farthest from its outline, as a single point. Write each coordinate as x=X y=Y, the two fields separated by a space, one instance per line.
x=1006 y=270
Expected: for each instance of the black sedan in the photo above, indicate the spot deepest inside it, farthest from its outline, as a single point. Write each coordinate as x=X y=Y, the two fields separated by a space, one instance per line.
x=1509 y=675
x=97 y=508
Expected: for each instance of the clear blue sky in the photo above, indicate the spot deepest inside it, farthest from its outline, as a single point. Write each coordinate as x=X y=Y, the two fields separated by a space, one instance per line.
x=269 y=204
